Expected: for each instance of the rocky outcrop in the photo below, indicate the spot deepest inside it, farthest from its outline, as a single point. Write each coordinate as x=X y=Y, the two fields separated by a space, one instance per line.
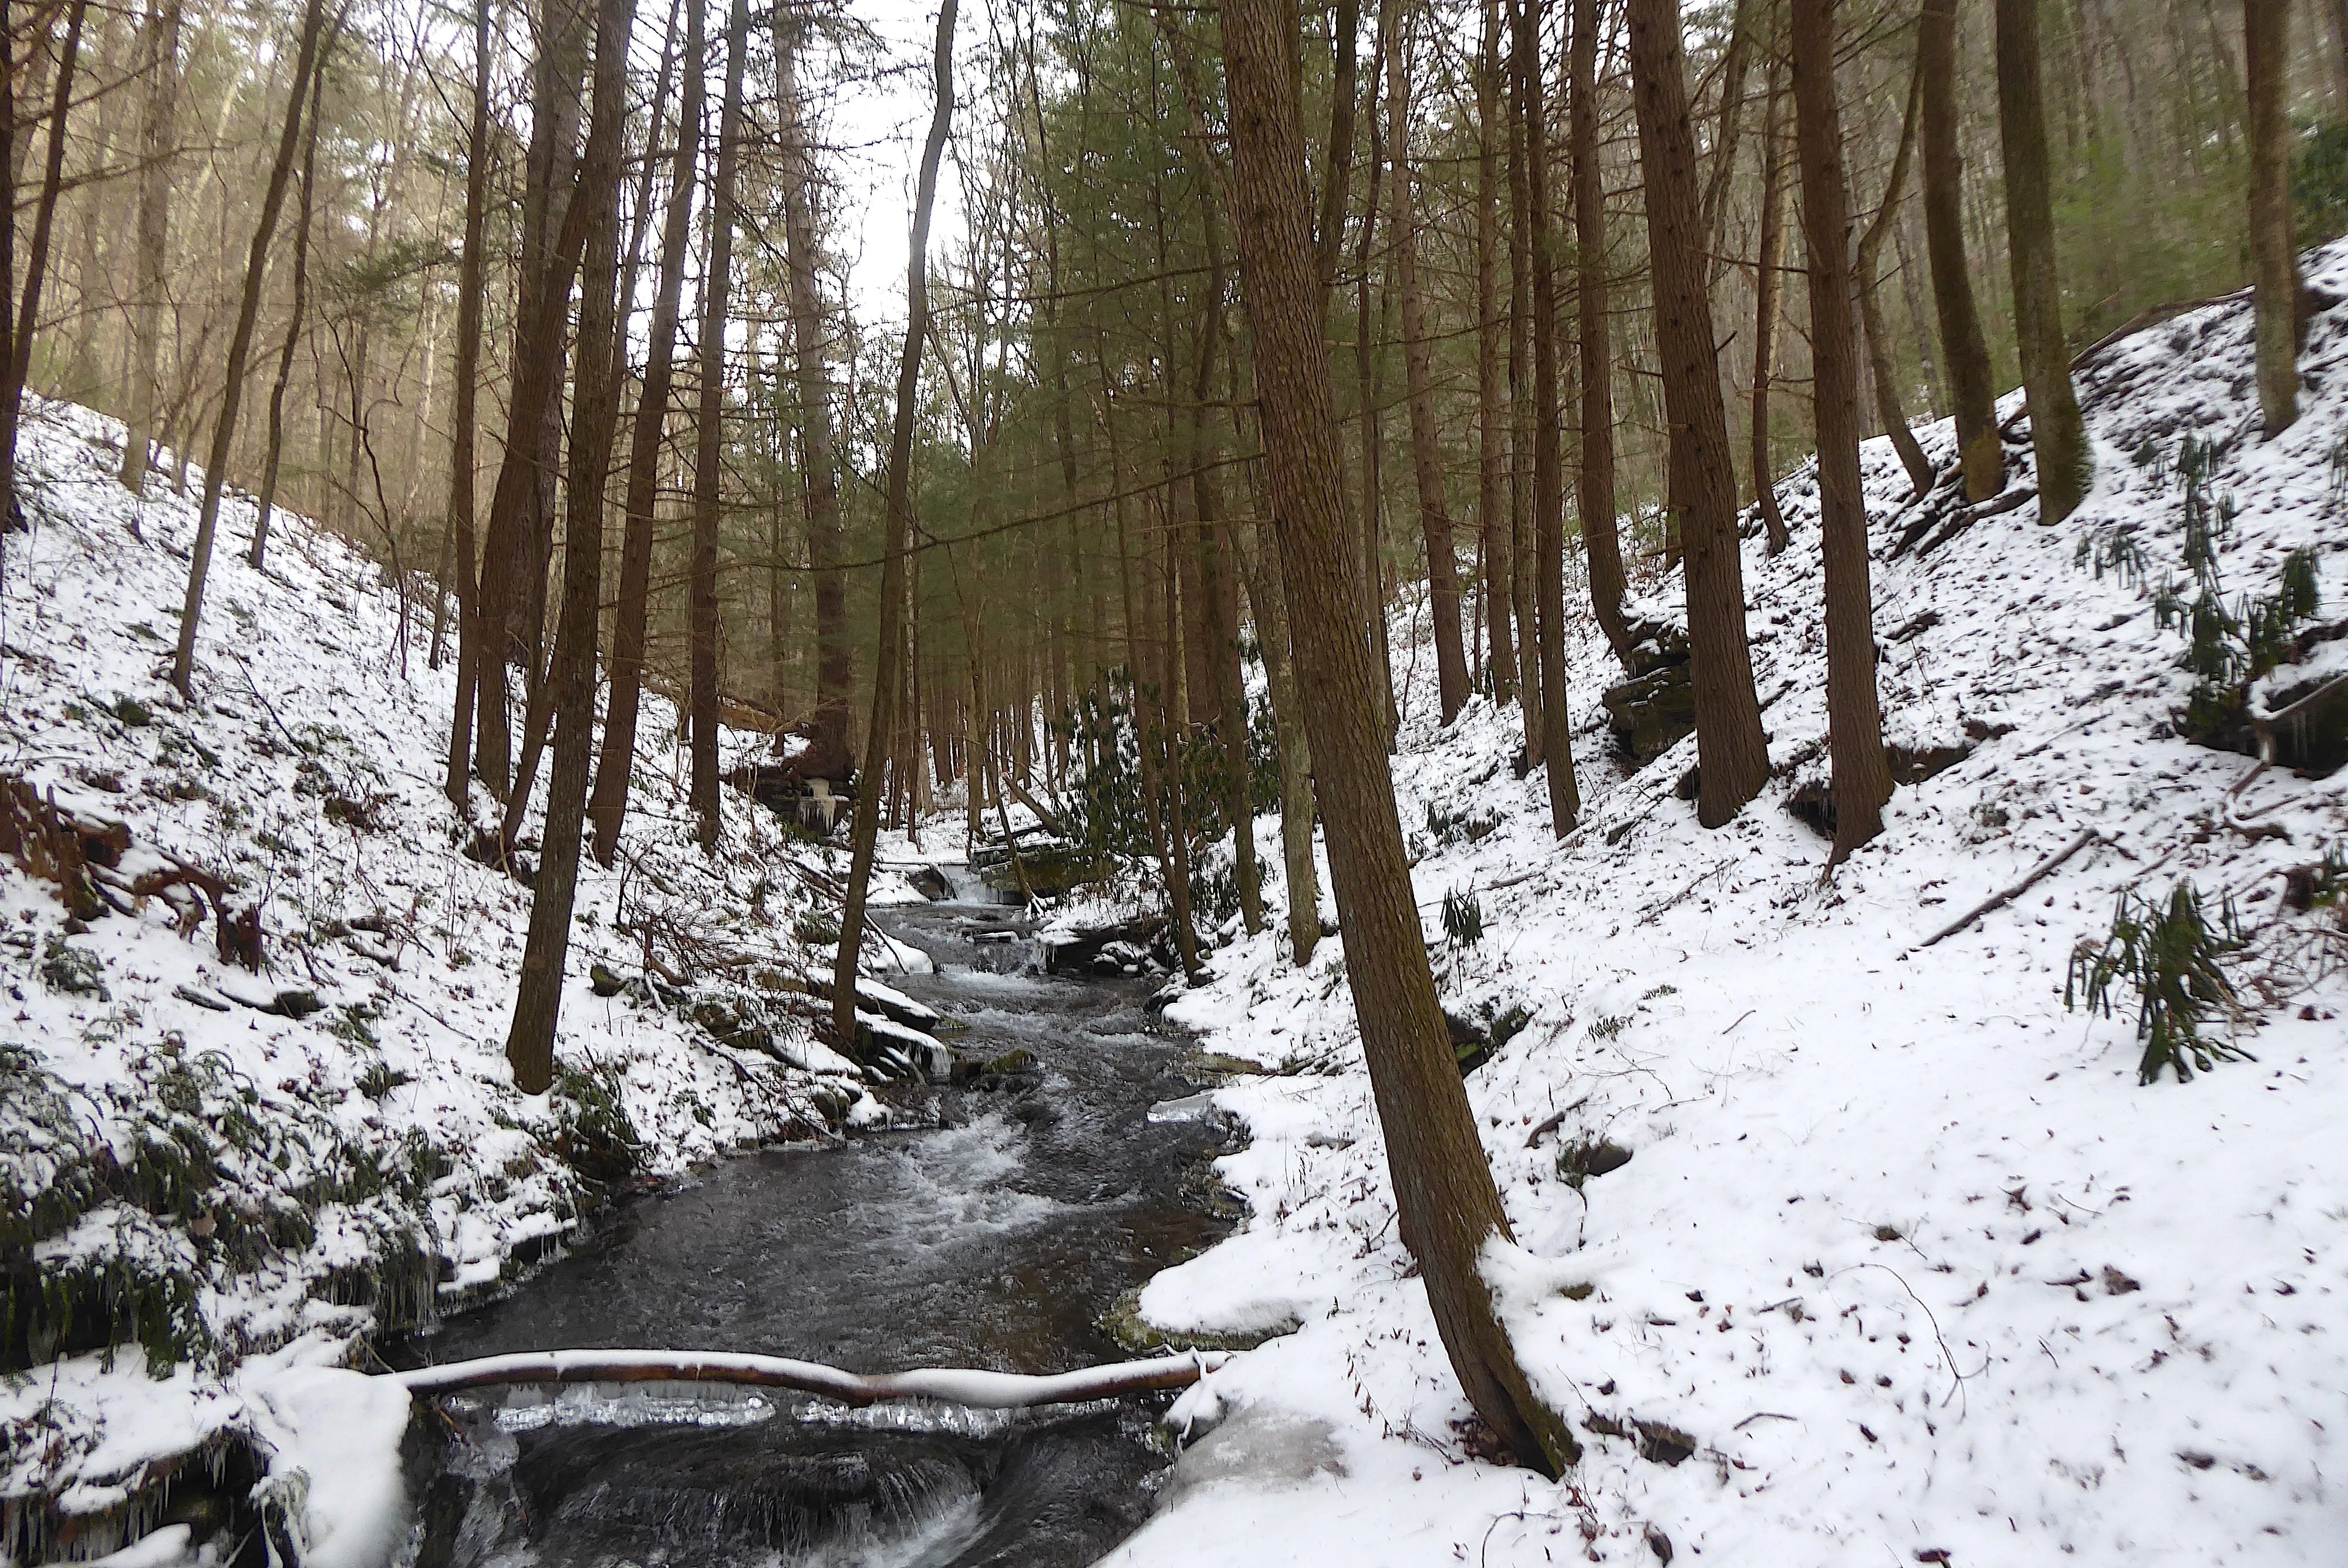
x=1652 y=707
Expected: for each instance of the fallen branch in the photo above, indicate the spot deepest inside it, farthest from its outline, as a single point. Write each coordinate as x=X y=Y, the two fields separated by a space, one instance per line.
x=1999 y=900
x=951 y=1385
x=2018 y=496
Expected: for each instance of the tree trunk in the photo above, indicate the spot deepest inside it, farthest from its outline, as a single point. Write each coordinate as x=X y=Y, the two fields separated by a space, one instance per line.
x=1963 y=347
x=1600 y=540
x=866 y=829
x=1862 y=776
x=2274 y=256
x=1219 y=600
x=471 y=281
x=1524 y=546
x=159 y=138
x=1271 y=634
x=19 y=361
x=1418 y=381
x=2058 y=434
x=1449 y=1210
x=1702 y=487
x=1768 y=289
x=1884 y=373
x=709 y=450
x=513 y=563
x=1548 y=444
x=1492 y=519
x=1733 y=63
x=256 y=269
x=834 y=652
x=295 y=321
x=647 y=440
x=571 y=673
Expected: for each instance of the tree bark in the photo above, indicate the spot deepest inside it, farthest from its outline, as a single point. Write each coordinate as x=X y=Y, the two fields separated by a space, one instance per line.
x=866 y=829
x=19 y=361
x=1548 y=442
x=1962 y=348
x=1449 y=1209
x=256 y=269
x=1602 y=542
x=1883 y=373
x=1523 y=541
x=1768 y=289
x=1862 y=775
x=1418 y=383
x=158 y=136
x=647 y=440
x=571 y=673
x=1269 y=598
x=2274 y=256
x=2058 y=432
x=1702 y=487
x=471 y=281
x=709 y=447
x=1492 y=519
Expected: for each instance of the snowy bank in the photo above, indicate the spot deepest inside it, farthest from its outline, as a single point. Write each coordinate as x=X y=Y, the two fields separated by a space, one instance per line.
x=1834 y=1247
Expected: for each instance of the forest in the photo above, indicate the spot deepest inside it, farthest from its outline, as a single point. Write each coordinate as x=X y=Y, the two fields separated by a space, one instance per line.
x=1044 y=783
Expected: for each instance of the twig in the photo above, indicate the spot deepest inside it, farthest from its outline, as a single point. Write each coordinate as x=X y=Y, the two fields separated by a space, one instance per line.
x=1999 y=900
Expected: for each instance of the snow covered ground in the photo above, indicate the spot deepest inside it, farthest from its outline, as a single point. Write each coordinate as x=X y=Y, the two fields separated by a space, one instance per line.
x=1904 y=1266
x=235 y=1193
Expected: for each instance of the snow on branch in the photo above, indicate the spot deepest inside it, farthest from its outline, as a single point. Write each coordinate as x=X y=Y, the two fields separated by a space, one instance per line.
x=952 y=1385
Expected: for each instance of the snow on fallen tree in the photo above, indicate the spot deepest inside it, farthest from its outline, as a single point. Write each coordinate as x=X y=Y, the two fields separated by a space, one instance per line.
x=951 y=1385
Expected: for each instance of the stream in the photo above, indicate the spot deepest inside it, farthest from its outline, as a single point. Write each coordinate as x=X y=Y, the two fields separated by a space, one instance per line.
x=996 y=1238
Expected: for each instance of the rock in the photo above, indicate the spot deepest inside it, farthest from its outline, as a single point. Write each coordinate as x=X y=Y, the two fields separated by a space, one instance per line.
x=603 y=982
x=1082 y=950
x=1050 y=868
x=1472 y=1043
x=1650 y=713
x=1586 y=1157
x=932 y=883
x=1018 y=1058
x=1914 y=765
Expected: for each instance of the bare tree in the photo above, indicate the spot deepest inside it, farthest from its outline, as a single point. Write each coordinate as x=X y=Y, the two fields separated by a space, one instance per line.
x=1600 y=540
x=1768 y=290
x=1548 y=444
x=471 y=278
x=19 y=344
x=1493 y=522
x=240 y=345
x=865 y=830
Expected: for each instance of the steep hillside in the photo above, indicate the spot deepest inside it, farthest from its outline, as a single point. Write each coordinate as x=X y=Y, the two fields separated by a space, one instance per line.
x=221 y=1168
x=1836 y=1246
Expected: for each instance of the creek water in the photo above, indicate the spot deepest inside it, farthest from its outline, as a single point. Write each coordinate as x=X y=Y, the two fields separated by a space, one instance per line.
x=996 y=1237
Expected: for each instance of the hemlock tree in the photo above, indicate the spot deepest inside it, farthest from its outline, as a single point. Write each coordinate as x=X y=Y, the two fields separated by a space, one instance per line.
x=1607 y=583
x=1963 y=351
x=1731 y=753
x=2274 y=257
x=2058 y=432
x=1448 y=1207
x=709 y=429
x=1862 y=776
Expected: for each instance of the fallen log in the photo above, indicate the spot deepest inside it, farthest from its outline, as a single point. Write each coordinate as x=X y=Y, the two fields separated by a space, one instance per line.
x=950 y=1385
x=2001 y=899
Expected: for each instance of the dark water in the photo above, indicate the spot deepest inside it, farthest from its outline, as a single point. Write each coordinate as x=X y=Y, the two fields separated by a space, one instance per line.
x=996 y=1239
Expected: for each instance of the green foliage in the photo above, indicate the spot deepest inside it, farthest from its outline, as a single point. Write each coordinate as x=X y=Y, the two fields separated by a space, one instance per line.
x=598 y=1140
x=2175 y=957
x=1463 y=919
x=2319 y=183
x=2115 y=550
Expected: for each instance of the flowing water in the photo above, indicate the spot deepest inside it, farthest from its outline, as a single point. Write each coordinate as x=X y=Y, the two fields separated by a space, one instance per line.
x=996 y=1238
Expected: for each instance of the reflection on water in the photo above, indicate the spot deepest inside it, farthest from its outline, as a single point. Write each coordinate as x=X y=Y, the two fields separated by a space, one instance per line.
x=996 y=1239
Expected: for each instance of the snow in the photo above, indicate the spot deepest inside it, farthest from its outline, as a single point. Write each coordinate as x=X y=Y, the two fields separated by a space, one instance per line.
x=1904 y=1261
x=252 y=1181
x=335 y=1440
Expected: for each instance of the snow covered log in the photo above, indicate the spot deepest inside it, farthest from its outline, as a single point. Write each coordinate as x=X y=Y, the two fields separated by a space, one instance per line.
x=951 y=1385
